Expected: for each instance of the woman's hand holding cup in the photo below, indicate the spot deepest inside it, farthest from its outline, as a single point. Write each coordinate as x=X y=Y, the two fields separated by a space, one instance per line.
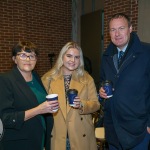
x=77 y=102
x=47 y=107
x=52 y=100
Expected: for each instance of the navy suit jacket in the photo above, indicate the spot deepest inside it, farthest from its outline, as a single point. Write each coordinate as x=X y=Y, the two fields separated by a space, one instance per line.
x=15 y=98
x=127 y=113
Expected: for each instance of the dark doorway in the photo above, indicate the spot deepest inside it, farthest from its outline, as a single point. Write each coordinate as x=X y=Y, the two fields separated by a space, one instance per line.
x=91 y=40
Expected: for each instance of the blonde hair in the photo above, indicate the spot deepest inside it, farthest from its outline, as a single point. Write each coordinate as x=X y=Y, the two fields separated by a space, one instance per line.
x=56 y=70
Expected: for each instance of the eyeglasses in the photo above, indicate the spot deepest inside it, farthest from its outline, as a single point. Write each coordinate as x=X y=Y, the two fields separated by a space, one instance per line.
x=23 y=56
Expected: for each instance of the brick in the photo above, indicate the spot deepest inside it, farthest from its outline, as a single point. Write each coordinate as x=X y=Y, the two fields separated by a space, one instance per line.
x=47 y=23
x=114 y=6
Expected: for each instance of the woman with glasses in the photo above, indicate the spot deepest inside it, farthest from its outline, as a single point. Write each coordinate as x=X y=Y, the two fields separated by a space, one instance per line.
x=25 y=113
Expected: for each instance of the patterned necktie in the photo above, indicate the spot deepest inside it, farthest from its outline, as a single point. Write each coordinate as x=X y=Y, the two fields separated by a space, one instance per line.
x=121 y=53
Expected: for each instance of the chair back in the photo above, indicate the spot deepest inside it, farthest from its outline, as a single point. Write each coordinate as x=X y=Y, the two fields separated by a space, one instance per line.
x=100 y=133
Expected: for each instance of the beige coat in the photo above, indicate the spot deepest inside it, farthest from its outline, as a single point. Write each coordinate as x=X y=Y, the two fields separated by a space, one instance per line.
x=78 y=124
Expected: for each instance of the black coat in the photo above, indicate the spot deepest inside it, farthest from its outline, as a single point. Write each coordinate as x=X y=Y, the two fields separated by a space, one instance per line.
x=127 y=113
x=15 y=98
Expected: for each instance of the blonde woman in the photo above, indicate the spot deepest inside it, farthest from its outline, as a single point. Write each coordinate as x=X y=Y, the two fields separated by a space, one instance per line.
x=73 y=127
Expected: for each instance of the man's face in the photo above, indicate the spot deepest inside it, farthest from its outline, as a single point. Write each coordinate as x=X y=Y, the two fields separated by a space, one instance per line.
x=119 y=32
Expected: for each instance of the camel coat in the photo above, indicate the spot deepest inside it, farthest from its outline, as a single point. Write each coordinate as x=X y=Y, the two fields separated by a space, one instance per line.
x=77 y=123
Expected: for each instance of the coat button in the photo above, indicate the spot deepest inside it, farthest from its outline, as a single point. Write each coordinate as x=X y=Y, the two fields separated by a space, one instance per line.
x=14 y=120
x=81 y=118
x=84 y=135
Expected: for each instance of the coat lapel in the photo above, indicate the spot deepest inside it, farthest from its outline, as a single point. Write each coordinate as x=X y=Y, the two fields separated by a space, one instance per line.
x=115 y=60
x=26 y=91
x=132 y=52
x=57 y=87
x=24 y=88
x=112 y=62
x=130 y=58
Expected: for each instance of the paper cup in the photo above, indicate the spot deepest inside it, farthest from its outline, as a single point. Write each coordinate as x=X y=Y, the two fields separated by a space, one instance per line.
x=52 y=97
x=71 y=94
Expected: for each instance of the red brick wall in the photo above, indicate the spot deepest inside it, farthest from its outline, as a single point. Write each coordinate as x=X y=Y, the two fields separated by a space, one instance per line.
x=129 y=7
x=47 y=23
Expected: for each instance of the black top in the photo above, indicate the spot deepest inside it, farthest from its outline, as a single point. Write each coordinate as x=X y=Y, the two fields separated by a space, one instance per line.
x=15 y=98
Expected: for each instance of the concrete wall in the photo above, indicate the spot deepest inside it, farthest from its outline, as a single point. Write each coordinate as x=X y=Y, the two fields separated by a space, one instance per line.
x=144 y=20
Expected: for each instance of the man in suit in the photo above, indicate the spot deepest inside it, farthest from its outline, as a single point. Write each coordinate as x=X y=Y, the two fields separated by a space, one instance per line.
x=127 y=112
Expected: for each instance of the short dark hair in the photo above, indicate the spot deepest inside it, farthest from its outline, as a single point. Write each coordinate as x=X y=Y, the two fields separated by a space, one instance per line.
x=26 y=46
x=120 y=15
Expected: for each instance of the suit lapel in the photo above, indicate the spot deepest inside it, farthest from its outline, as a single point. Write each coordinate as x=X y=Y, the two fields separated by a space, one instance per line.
x=25 y=90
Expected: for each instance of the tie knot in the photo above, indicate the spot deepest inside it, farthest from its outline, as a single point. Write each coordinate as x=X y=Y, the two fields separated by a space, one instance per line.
x=121 y=53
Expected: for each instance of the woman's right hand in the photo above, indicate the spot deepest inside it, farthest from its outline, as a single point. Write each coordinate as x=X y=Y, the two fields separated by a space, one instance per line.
x=48 y=106
x=45 y=107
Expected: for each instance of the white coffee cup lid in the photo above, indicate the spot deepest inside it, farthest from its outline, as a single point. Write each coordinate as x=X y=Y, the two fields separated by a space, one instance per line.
x=52 y=95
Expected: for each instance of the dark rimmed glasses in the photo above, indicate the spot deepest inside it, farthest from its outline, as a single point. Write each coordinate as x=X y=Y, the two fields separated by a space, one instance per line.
x=23 y=56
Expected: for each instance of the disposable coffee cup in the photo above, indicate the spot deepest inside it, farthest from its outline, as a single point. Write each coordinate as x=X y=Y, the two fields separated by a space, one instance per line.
x=71 y=94
x=52 y=97
x=107 y=86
